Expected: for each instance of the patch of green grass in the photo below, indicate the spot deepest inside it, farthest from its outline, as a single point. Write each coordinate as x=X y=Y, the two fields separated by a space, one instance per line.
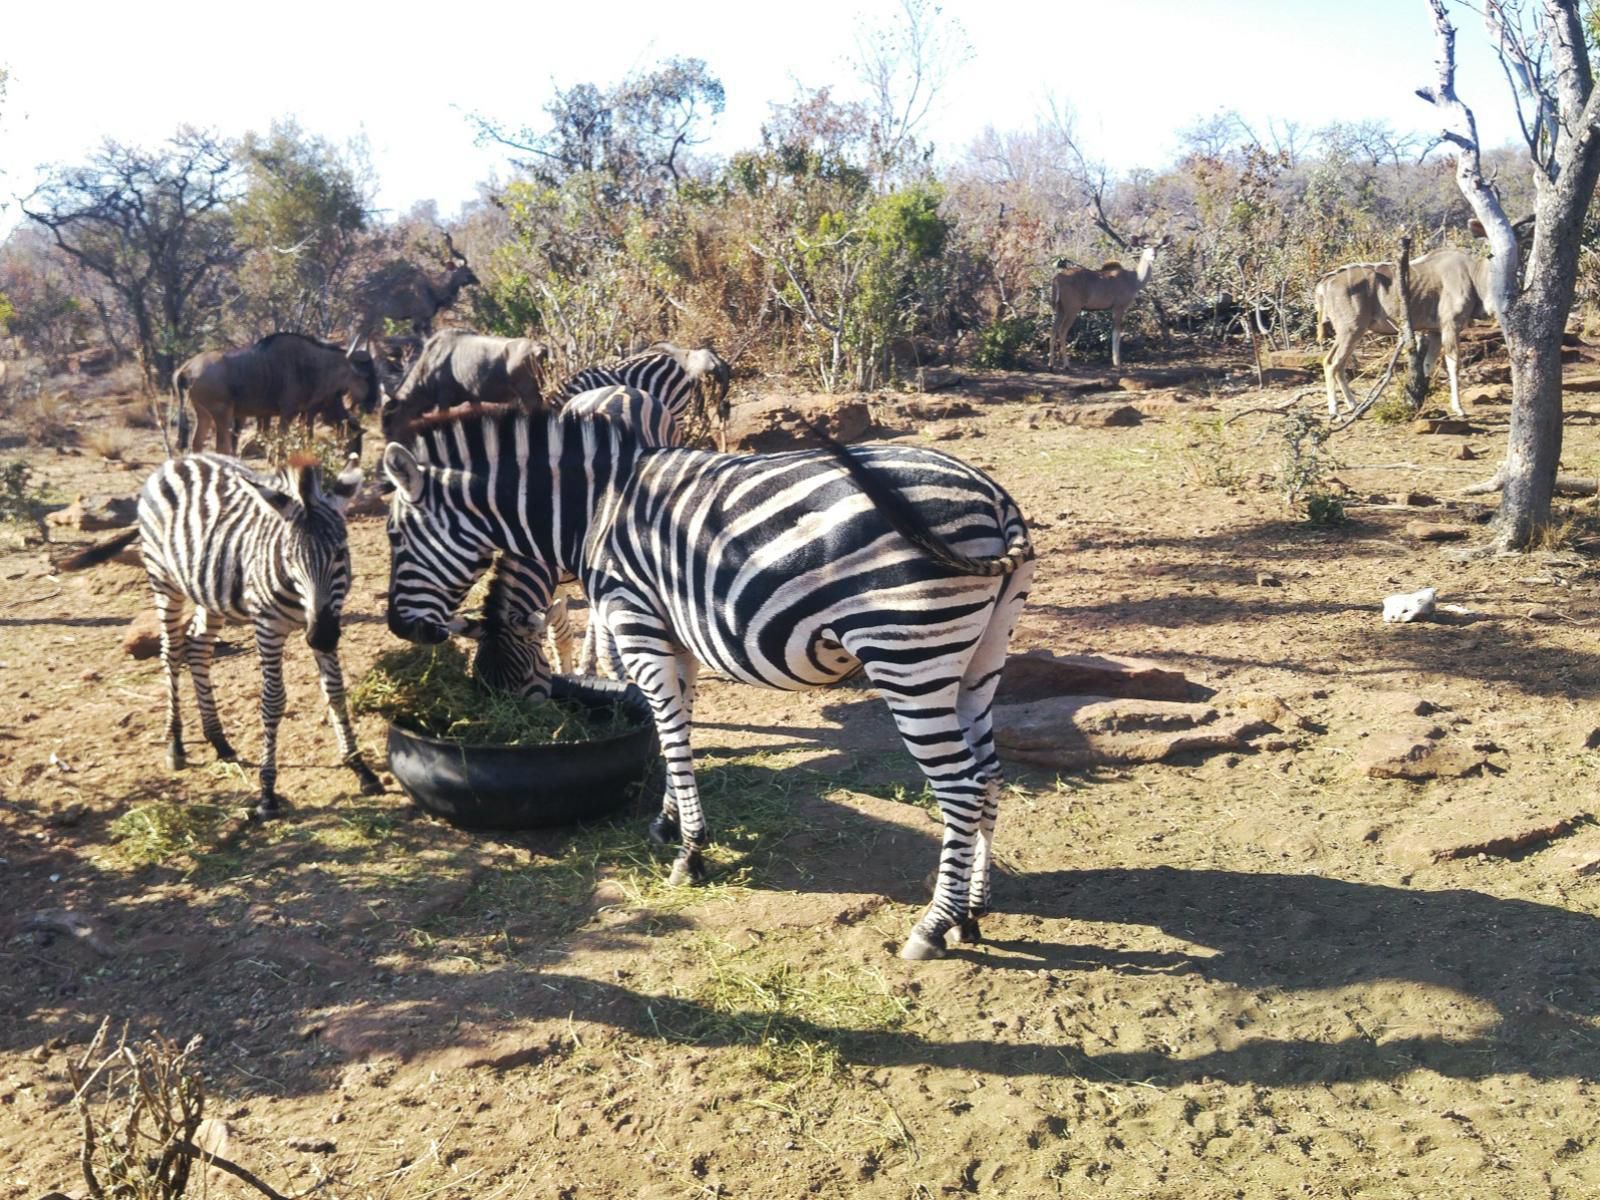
x=159 y=831
x=796 y=1019
x=430 y=690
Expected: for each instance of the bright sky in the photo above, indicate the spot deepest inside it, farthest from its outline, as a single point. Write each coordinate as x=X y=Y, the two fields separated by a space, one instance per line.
x=1134 y=71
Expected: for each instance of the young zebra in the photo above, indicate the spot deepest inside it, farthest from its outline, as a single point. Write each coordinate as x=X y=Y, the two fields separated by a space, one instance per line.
x=271 y=551
x=786 y=570
x=515 y=629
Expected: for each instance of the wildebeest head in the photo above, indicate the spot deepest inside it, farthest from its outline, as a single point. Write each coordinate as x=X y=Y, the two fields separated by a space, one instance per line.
x=316 y=550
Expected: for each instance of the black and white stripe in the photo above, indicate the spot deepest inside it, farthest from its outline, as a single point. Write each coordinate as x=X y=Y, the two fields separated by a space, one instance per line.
x=787 y=570
x=678 y=378
x=268 y=550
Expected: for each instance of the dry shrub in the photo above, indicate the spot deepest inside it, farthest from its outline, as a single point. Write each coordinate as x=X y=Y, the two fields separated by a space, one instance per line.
x=108 y=440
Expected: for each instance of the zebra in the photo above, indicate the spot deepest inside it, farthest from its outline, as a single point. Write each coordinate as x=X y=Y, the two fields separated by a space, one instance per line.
x=673 y=375
x=786 y=570
x=269 y=550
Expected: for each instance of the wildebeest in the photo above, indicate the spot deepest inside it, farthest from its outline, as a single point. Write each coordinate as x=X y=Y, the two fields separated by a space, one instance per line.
x=404 y=292
x=284 y=375
x=458 y=367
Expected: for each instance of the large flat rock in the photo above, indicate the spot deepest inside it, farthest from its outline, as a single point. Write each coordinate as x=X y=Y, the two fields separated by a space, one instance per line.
x=780 y=423
x=1041 y=674
x=1085 y=731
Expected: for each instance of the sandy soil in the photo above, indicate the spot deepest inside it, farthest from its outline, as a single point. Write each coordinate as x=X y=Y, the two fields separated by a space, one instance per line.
x=1238 y=975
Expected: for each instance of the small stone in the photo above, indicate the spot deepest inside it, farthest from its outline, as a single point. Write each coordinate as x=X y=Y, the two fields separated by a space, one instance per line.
x=143 y=638
x=1414 y=499
x=1423 y=531
x=1267 y=579
x=310 y=1145
x=1542 y=612
x=1466 y=453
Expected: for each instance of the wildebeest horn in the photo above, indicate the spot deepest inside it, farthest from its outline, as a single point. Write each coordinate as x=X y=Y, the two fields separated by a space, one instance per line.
x=361 y=335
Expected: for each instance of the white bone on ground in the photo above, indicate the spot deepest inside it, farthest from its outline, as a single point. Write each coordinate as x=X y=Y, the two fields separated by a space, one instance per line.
x=1408 y=606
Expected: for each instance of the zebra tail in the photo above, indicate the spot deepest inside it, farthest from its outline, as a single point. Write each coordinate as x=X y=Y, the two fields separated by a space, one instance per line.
x=903 y=516
x=100 y=552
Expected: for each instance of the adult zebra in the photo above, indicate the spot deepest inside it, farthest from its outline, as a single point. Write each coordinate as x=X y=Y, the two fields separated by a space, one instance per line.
x=786 y=570
x=678 y=378
x=269 y=550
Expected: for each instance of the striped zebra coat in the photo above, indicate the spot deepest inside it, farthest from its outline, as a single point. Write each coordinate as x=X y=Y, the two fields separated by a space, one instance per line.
x=790 y=571
x=678 y=378
x=271 y=551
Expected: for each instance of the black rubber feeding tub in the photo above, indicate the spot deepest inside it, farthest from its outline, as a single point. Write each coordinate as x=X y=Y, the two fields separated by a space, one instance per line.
x=530 y=787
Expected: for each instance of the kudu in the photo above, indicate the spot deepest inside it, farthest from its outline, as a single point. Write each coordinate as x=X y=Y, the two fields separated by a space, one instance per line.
x=406 y=293
x=1449 y=290
x=1082 y=289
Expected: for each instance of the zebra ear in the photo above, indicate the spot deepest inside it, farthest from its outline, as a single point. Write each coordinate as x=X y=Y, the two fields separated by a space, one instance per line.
x=282 y=503
x=401 y=469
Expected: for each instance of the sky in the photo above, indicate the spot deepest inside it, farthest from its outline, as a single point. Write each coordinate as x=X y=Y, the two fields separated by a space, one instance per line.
x=1133 y=72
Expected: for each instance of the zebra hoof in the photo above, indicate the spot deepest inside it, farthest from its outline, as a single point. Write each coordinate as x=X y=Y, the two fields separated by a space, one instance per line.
x=225 y=750
x=965 y=932
x=176 y=760
x=920 y=949
x=268 y=807
x=371 y=785
x=687 y=870
x=664 y=830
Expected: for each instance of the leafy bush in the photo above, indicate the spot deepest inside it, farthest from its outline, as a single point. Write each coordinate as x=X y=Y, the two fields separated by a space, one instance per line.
x=1003 y=342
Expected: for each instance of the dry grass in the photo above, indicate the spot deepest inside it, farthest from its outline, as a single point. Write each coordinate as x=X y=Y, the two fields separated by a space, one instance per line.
x=108 y=440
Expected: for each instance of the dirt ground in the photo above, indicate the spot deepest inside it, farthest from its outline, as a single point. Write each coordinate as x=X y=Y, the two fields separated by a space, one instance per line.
x=1239 y=975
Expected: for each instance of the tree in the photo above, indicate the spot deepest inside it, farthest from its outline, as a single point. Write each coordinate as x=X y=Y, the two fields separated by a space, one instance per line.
x=632 y=138
x=1563 y=152
x=299 y=223
x=155 y=226
x=903 y=65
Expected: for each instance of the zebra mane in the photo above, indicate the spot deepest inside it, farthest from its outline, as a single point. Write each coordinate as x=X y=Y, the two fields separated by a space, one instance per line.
x=461 y=414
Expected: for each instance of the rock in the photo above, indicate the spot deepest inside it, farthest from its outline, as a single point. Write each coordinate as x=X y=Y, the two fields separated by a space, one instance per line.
x=1414 y=499
x=1265 y=706
x=1294 y=360
x=927 y=409
x=1041 y=674
x=779 y=423
x=311 y=1145
x=143 y=638
x=1466 y=453
x=97 y=513
x=1493 y=394
x=1267 y=579
x=1119 y=416
x=1424 y=531
x=1408 y=606
x=1081 y=731
x=1443 y=425
x=1414 y=756
x=1481 y=829
x=1542 y=612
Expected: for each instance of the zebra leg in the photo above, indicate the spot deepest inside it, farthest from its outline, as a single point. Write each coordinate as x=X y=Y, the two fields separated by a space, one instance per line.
x=332 y=680
x=269 y=648
x=202 y=641
x=975 y=707
x=170 y=609
x=655 y=667
x=932 y=731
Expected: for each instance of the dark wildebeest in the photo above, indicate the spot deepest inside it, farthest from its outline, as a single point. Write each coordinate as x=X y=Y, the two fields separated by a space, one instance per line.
x=284 y=375
x=404 y=292
x=457 y=367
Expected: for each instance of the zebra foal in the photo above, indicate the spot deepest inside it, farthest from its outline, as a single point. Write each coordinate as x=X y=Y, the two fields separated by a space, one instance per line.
x=791 y=571
x=268 y=550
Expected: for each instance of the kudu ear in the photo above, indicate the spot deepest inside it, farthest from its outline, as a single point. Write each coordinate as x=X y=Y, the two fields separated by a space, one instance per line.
x=400 y=467
x=345 y=487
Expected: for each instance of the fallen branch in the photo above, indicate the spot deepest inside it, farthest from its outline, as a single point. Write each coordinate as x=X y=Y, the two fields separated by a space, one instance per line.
x=208 y=1159
x=1566 y=485
x=1274 y=408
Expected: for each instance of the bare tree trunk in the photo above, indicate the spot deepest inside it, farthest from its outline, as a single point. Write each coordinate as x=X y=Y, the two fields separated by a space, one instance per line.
x=1416 y=367
x=1533 y=446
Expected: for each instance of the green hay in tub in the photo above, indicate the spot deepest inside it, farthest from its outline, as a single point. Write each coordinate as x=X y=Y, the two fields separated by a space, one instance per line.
x=429 y=690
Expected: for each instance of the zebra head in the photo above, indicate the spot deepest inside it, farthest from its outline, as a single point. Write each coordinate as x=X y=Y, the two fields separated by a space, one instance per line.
x=511 y=656
x=437 y=548
x=314 y=552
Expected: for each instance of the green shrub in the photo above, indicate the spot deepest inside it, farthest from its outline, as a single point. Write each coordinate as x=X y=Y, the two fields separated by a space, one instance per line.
x=1003 y=342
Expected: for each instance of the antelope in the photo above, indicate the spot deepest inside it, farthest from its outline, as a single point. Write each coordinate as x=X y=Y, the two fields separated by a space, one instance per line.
x=404 y=292
x=1113 y=286
x=1449 y=290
